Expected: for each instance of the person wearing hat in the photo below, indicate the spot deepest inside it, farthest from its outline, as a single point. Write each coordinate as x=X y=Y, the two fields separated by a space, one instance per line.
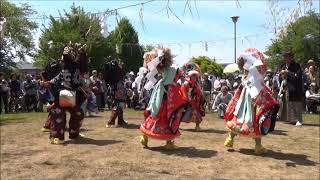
x=292 y=73
x=191 y=92
x=312 y=98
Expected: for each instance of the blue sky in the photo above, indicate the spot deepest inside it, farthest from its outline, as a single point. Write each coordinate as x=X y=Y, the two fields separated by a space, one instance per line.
x=212 y=24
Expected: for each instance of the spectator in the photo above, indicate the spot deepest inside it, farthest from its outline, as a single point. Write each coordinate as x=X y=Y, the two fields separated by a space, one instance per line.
x=221 y=102
x=216 y=84
x=312 y=98
x=206 y=89
x=312 y=76
x=94 y=77
x=15 y=91
x=212 y=79
x=293 y=73
x=4 y=93
x=30 y=87
x=305 y=79
x=103 y=90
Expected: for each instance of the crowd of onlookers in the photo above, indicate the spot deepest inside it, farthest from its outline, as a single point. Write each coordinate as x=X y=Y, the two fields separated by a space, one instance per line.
x=24 y=93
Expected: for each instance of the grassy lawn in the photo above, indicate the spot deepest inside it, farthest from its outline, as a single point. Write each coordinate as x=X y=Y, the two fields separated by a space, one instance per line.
x=116 y=153
x=309 y=118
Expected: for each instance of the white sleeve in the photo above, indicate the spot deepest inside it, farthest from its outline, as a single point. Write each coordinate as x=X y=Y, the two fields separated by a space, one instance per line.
x=308 y=94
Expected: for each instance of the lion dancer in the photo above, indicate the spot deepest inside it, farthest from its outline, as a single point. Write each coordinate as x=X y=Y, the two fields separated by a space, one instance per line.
x=191 y=92
x=164 y=112
x=119 y=95
x=114 y=76
x=252 y=111
x=69 y=95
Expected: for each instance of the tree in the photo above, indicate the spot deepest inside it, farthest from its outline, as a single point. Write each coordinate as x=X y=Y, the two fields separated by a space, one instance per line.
x=302 y=38
x=16 y=42
x=79 y=27
x=126 y=40
x=207 y=65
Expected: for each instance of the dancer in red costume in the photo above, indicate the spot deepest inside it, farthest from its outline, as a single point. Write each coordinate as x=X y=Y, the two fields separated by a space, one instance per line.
x=191 y=92
x=252 y=110
x=166 y=106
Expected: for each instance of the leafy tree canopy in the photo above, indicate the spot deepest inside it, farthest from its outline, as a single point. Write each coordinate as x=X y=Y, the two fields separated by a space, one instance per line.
x=16 y=38
x=207 y=65
x=301 y=37
x=126 y=40
x=79 y=27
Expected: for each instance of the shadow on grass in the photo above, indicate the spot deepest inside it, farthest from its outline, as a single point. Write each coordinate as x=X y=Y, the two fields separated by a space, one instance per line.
x=85 y=140
x=92 y=116
x=131 y=126
x=190 y=152
x=310 y=124
x=295 y=159
x=279 y=132
x=216 y=131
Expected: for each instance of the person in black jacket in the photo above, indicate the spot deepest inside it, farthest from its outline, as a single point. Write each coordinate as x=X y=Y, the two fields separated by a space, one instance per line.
x=294 y=86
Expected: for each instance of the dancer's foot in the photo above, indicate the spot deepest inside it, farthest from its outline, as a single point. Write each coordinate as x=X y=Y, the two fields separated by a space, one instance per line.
x=56 y=141
x=110 y=125
x=197 y=128
x=144 y=140
x=170 y=145
x=259 y=149
x=45 y=129
x=123 y=123
x=228 y=142
x=298 y=123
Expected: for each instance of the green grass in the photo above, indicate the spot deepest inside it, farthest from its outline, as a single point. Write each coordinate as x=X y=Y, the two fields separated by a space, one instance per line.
x=14 y=117
x=313 y=118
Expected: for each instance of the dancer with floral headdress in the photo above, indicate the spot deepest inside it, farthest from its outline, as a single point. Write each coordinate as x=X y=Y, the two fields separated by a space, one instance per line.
x=252 y=111
x=166 y=105
x=191 y=92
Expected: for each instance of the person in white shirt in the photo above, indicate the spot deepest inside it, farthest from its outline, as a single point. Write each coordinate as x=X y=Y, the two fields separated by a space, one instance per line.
x=221 y=101
x=312 y=98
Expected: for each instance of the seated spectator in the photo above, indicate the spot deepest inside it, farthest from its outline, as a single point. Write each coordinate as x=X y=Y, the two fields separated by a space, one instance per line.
x=312 y=76
x=221 y=101
x=312 y=98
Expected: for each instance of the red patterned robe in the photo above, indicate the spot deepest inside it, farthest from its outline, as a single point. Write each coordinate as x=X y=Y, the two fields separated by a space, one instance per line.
x=264 y=108
x=165 y=126
x=191 y=92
